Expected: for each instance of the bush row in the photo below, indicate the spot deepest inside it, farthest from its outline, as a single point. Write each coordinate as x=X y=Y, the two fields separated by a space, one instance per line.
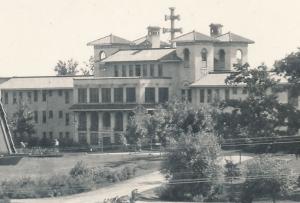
x=80 y=179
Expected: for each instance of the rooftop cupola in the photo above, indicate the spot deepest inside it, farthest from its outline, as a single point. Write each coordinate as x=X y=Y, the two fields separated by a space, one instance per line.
x=215 y=29
x=154 y=36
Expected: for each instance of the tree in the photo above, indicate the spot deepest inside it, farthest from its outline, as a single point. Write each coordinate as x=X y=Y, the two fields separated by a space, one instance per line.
x=266 y=176
x=89 y=67
x=192 y=164
x=133 y=131
x=260 y=114
x=22 y=124
x=66 y=68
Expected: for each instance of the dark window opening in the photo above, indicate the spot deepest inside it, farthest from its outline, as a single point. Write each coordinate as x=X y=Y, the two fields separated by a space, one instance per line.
x=118 y=95
x=106 y=95
x=130 y=95
x=149 y=95
x=163 y=94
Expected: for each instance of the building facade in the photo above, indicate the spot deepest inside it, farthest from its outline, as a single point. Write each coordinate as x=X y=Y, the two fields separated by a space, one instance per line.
x=130 y=78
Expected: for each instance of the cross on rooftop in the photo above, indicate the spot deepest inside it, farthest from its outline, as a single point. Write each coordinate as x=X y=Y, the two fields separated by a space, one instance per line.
x=172 y=17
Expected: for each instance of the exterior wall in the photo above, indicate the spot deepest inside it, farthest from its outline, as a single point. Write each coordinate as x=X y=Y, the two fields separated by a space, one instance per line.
x=54 y=103
x=195 y=71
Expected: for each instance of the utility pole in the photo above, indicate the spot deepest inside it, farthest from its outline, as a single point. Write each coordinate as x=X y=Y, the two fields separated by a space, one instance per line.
x=172 y=30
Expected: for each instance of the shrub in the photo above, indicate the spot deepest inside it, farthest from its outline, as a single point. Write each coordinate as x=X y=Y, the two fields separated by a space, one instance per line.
x=80 y=169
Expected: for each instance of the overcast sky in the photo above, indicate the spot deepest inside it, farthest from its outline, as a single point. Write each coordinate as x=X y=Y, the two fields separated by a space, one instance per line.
x=35 y=34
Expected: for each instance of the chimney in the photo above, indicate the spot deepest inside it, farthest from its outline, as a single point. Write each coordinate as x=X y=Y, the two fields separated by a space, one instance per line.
x=154 y=36
x=215 y=29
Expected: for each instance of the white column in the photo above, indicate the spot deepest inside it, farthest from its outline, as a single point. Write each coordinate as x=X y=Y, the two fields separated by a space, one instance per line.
x=88 y=95
x=124 y=94
x=112 y=126
x=75 y=95
x=156 y=94
x=125 y=121
x=88 y=127
x=76 y=127
x=112 y=95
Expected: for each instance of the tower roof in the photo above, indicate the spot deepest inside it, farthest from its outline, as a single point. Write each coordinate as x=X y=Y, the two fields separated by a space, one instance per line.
x=194 y=36
x=109 y=40
x=231 y=37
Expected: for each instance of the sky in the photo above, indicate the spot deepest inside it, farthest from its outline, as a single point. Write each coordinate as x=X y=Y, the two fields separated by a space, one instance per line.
x=35 y=34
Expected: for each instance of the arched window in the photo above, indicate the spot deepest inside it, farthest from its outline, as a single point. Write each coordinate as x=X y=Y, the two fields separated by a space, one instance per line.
x=119 y=121
x=186 y=58
x=106 y=120
x=102 y=55
x=239 y=56
x=204 y=58
x=221 y=61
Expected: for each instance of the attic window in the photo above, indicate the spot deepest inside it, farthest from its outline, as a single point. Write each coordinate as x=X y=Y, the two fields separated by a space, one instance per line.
x=102 y=55
x=204 y=58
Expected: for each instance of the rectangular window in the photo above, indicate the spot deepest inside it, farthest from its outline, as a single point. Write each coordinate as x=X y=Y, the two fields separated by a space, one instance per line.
x=67 y=119
x=160 y=70
x=14 y=97
x=190 y=95
x=145 y=71
x=6 y=98
x=138 y=70
x=217 y=95
x=51 y=135
x=234 y=90
x=61 y=135
x=29 y=97
x=35 y=96
x=106 y=95
x=67 y=135
x=202 y=95
x=245 y=90
x=209 y=95
x=123 y=70
x=82 y=95
x=149 y=95
x=50 y=114
x=67 y=97
x=36 y=116
x=227 y=94
x=20 y=96
x=163 y=94
x=118 y=95
x=151 y=70
x=116 y=71
x=44 y=117
x=60 y=114
x=94 y=95
x=44 y=95
x=60 y=93
x=130 y=95
x=183 y=96
x=130 y=70
x=50 y=93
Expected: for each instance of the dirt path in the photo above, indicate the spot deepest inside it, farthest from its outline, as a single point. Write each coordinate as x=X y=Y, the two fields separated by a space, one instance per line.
x=141 y=183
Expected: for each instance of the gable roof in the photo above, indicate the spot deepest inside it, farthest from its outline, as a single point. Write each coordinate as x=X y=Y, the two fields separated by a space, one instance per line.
x=39 y=82
x=143 y=40
x=142 y=55
x=109 y=40
x=194 y=36
x=231 y=37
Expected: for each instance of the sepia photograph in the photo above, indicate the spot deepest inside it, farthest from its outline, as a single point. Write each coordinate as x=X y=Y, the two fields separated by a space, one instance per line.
x=149 y=101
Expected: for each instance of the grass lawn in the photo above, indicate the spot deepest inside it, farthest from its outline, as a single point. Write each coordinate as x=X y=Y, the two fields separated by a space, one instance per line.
x=43 y=167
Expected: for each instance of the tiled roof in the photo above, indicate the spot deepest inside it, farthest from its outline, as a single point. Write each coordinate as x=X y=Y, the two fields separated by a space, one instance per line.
x=194 y=37
x=140 y=55
x=109 y=40
x=231 y=37
x=218 y=80
x=86 y=107
x=36 y=82
x=142 y=40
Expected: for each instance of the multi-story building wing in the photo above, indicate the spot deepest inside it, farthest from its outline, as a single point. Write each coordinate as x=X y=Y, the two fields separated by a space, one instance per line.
x=47 y=98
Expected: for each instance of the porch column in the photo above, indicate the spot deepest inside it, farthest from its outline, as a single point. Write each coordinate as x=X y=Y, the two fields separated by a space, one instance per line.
x=76 y=127
x=112 y=95
x=88 y=127
x=124 y=95
x=156 y=95
x=100 y=95
x=112 y=126
x=88 y=95
x=125 y=121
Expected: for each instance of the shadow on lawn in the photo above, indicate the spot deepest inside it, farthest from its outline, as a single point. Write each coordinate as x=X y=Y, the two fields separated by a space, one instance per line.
x=133 y=160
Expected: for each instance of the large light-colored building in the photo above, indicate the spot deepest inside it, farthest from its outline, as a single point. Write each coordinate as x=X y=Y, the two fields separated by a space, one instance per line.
x=130 y=77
